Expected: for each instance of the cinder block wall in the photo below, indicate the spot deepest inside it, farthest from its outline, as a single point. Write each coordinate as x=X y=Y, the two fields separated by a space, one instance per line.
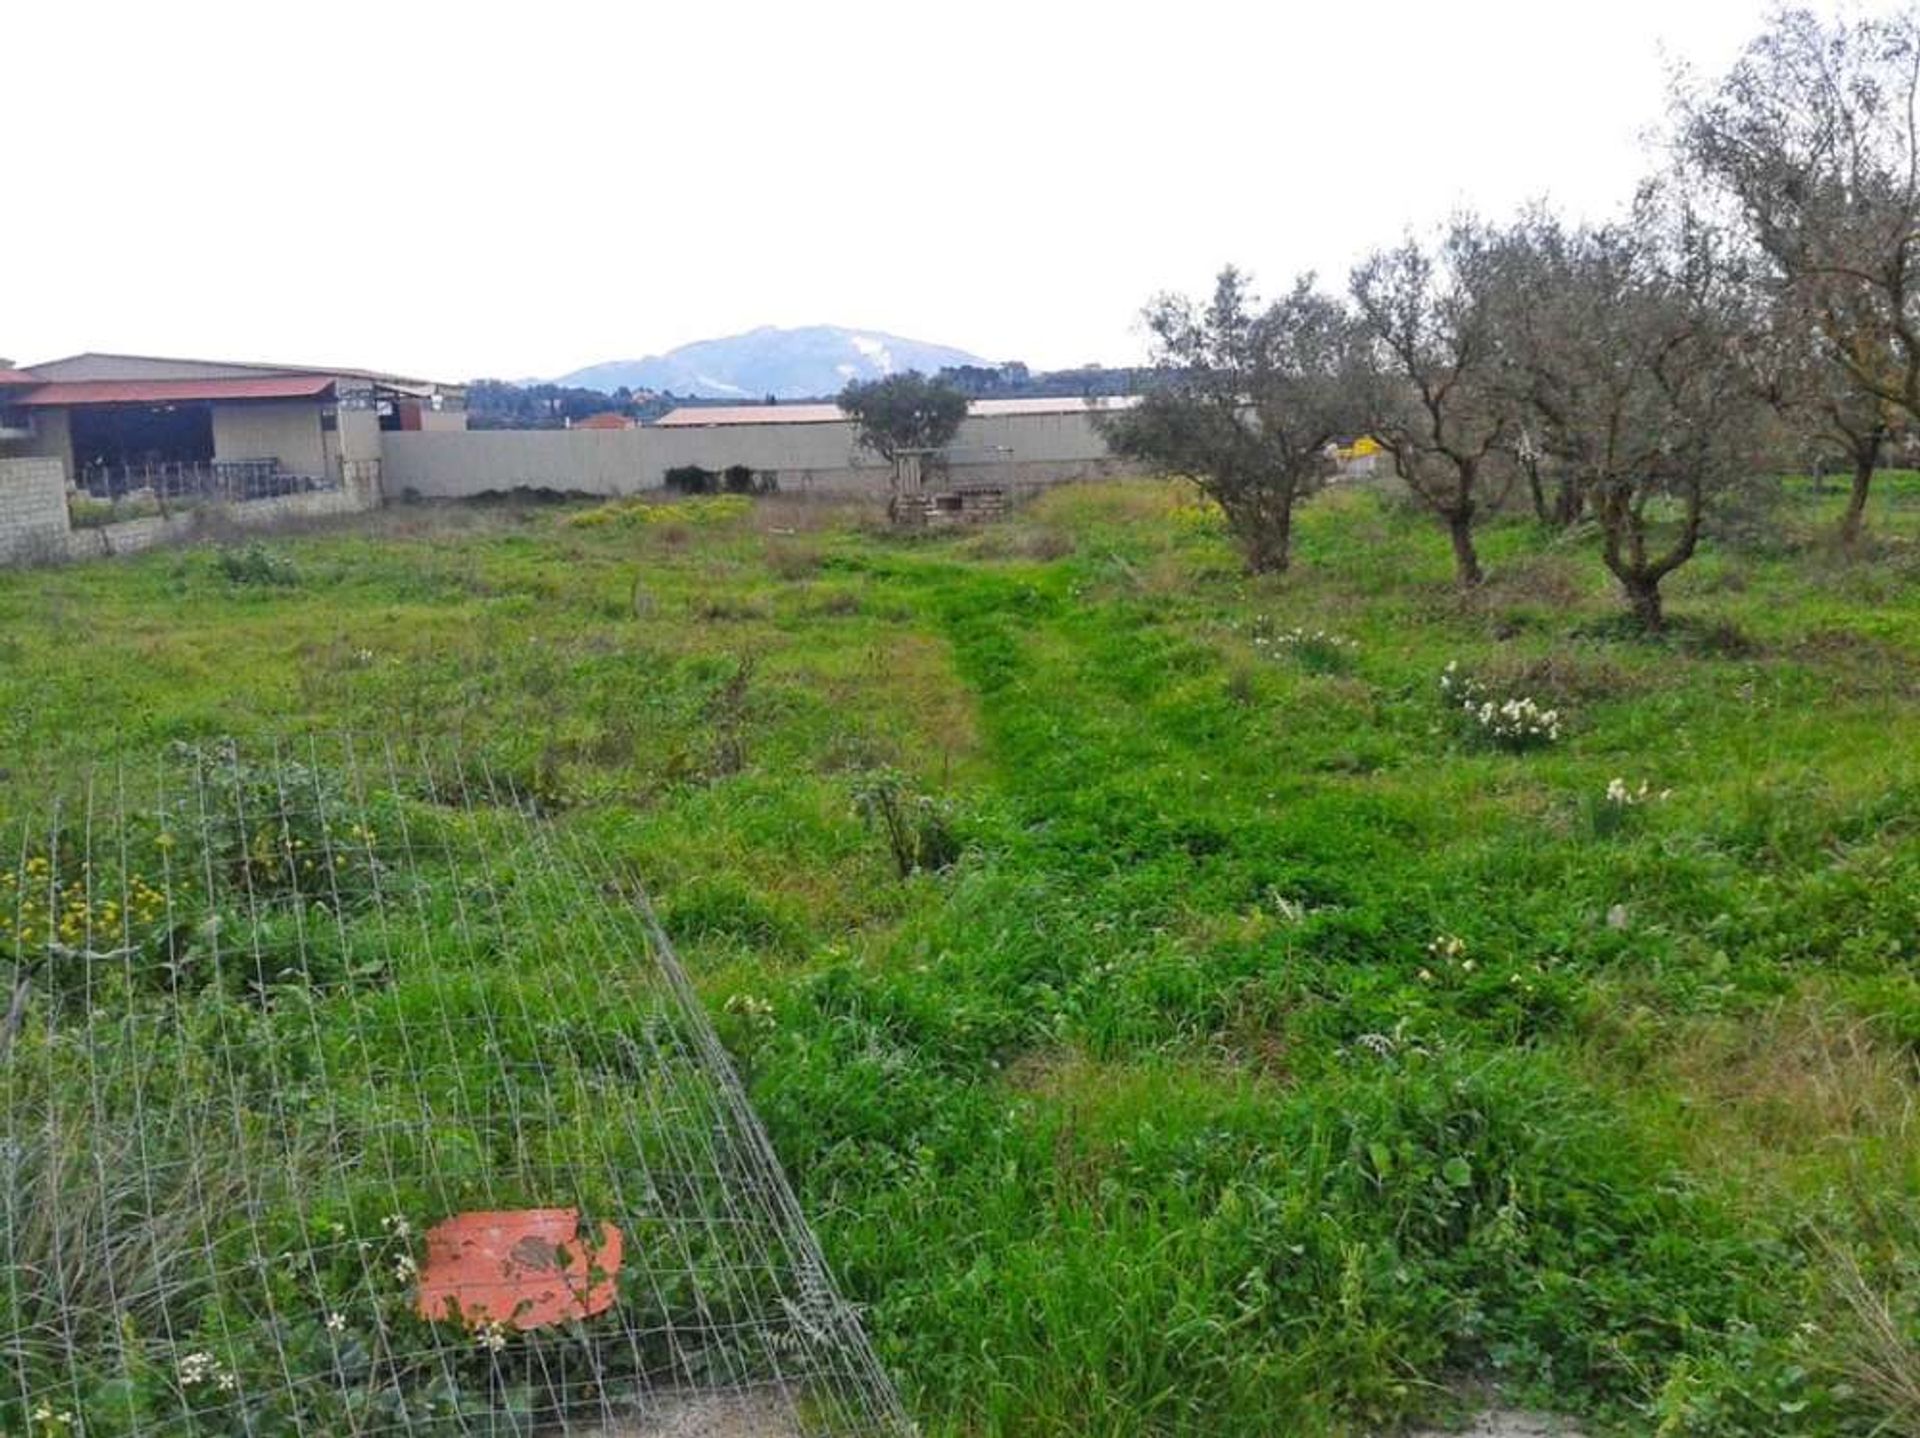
x=33 y=510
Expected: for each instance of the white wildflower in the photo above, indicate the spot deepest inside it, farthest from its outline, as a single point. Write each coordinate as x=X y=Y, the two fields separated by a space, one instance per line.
x=756 y=1010
x=1619 y=793
x=1515 y=722
x=198 y=1368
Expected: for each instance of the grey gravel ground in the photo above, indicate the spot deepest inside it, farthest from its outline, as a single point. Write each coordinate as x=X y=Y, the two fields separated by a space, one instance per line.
x=1507 y=1423
x=739 y=1414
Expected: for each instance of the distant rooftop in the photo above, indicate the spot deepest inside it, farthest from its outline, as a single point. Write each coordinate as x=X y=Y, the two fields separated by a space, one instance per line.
x=728 y=414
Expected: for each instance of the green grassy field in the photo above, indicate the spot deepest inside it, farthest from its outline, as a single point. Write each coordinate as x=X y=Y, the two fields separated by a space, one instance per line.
x=1275 y=1054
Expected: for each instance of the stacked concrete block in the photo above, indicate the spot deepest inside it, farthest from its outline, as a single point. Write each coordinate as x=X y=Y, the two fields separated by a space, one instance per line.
x=33 y=510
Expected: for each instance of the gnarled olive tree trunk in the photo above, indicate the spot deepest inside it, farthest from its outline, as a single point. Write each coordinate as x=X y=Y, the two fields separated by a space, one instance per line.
x=1466 y=559
x=1622 y=511
x=1866 y=459
x=1263 y=524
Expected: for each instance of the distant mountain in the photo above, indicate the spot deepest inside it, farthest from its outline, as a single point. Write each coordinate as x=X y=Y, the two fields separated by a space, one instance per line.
x=791 y=364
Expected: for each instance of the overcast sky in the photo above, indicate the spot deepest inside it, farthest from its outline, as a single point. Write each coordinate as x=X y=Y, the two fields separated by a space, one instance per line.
x=516 y=190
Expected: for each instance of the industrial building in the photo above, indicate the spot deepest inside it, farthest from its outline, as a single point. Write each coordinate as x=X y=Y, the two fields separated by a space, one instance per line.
x=184 y=429
x=110 y=453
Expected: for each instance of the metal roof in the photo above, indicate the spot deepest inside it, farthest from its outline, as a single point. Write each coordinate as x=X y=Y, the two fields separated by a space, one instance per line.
x=730 y=414
x=703 y=414
x=396 y=381
x=165 y=391
x=17 y=376
x=1063 y=404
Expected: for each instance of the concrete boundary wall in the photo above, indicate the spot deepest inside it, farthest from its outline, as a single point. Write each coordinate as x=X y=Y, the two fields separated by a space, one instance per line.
x=33 y=510
x=1021 y=450
x=1018 y=451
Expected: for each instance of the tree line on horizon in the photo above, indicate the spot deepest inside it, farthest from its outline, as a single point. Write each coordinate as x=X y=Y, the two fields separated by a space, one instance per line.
x=1757 y=307
x=504 y=404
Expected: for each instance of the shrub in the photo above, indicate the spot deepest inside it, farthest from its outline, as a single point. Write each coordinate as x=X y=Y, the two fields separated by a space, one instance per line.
x=718 y=510
x=918 y=828
x=89 y=513
x=266 y=824
x=1511 y=722
x=742 y=479
x=691 y=479
x=86 y=512
x=256 y=564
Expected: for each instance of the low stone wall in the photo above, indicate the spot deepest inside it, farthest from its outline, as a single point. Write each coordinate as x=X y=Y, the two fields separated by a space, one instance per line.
x=37 y=528
x=131 y=536
x=33 y=510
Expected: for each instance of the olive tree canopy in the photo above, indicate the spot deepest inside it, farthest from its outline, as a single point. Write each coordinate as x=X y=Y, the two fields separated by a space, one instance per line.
x=1249 y=403
x=1630 y=350
x=1429 y=314
x=903 y=413
x=1813 y=137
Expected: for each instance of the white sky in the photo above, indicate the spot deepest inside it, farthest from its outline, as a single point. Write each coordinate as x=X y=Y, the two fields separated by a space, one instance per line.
x=513 y=189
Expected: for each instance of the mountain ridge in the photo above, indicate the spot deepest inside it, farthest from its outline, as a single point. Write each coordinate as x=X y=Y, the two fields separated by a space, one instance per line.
x=793 y=363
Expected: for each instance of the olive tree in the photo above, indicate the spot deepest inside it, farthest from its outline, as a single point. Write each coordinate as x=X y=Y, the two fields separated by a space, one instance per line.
x=903 y=413
x=1821 y=405
x=1249 y=401
x=1529 y=281
x=1438 y=410
x=1814 y=137
x=1633 y=365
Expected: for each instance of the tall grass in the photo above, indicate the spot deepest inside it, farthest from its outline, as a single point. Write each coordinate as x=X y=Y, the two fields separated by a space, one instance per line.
x=1262 y=1053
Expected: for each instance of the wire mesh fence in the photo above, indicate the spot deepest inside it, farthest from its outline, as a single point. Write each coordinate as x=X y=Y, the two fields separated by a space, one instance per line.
x=346 y=1093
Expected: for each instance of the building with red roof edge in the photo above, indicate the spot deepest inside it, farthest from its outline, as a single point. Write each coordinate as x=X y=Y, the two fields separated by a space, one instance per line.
x=127 y=423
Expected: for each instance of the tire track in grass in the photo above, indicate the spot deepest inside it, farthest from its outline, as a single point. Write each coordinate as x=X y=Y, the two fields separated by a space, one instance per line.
x=1390 y=1261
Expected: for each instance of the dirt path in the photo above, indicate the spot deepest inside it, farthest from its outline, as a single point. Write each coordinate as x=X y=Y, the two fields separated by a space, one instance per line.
x=1507 y=1423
